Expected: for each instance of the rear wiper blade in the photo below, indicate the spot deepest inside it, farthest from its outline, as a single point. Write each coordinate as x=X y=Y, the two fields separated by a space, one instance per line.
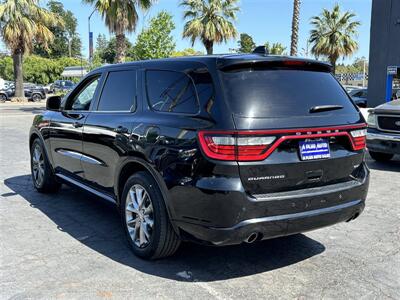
x=320 y=108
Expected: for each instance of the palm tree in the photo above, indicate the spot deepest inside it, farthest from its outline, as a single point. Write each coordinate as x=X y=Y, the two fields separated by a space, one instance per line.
x=21 y=23
x=333 y=34
x=295 y=27
x=120 y=17
x=275 y=49
x=211 y=21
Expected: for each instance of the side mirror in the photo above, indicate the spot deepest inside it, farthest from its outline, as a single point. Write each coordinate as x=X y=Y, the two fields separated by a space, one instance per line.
x=53 y=103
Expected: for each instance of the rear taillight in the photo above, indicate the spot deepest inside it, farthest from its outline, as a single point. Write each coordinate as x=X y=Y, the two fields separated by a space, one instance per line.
x=258 y=145
x=233 y=146
x=358 y=138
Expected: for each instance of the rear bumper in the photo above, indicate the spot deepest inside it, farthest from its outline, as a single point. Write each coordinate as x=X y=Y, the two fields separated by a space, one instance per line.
x=276 y=226
x=229 y=216
x=384 y=142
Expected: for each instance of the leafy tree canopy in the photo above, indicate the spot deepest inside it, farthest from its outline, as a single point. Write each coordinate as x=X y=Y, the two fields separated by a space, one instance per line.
x=245 y=44
x=66 y=39
x=275 y=48
x=186 y=52
x=156 y=41
x=38 y=69
x=106 y=51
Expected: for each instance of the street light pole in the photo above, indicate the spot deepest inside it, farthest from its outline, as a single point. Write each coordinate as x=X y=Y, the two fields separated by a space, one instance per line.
x=364 y=60
x=90 y=40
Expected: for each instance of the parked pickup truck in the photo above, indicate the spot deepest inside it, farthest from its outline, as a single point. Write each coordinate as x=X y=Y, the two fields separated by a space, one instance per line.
x=383 y=136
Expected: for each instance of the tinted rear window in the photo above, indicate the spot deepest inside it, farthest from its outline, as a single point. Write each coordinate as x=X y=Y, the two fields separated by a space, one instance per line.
x=170 y=91
x=282 y=92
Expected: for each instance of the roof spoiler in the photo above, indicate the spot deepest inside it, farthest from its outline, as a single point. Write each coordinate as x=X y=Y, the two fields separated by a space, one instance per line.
x=273 y=62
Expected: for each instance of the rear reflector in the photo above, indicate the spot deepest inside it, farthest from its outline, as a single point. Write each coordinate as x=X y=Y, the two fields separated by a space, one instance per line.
x=258 y=145
x=359 y=138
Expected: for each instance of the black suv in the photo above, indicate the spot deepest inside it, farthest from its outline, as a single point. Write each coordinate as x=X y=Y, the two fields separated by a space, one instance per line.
x=217 y=149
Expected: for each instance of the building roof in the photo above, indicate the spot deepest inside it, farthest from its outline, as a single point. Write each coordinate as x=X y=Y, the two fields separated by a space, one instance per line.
x=75 y=71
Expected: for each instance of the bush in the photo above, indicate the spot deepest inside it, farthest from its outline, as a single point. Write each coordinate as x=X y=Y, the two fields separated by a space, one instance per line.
x=38 y=69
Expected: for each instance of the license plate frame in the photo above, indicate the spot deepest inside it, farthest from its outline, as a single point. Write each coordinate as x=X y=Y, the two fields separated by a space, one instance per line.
x=314 y=149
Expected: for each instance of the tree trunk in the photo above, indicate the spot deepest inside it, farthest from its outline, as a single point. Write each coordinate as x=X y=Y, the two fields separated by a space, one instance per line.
x=18 y=75
x=295 y=27
x=333 y=60
x=120 y=57
x=209 y=47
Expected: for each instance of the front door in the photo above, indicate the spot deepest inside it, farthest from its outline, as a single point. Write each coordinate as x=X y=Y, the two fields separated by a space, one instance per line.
x=66 y=128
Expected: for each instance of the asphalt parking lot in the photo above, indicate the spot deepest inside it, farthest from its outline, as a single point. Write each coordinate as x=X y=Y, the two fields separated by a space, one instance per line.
x=71 y=245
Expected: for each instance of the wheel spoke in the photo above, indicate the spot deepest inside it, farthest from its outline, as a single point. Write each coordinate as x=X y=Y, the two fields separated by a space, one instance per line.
x=149 y=221
x=135 y=237
x=130 y=207
x=139 y=196
x=35 y=173
x=131 y=221
x=145 y=231
x=142 y=235
x=148 y=210
x=132 y=196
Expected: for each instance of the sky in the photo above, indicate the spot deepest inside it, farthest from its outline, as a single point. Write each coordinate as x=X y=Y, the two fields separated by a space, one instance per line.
x=264 y=20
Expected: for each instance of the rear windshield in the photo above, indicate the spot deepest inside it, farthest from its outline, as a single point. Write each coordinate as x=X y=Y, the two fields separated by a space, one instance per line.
x=282 y=92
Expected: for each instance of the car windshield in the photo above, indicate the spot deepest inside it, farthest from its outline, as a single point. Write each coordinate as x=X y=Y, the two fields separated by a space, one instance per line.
x=282 y=92
x=67 y=83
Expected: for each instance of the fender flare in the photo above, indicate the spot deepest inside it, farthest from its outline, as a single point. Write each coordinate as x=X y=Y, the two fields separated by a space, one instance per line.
x=157 y=177
x=47 y=151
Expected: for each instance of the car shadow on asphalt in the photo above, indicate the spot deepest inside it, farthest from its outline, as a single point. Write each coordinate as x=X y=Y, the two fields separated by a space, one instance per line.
x=392 y=165
x=96 y=224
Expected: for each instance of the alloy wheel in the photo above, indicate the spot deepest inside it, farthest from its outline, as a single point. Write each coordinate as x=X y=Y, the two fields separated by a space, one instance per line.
x=38 y=165
x=36 y=98
x=139 y=215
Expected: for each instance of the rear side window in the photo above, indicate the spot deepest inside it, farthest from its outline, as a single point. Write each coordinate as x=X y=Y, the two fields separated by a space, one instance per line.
x=282 y=92
x=118 y=92
x=170 y=91
x=204 y=88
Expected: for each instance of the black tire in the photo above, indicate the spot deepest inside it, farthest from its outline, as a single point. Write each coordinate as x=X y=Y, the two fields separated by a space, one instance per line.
x=48 y=183
x=3 y=98
x=36 y=97
x=163 y=241
x=379 y=156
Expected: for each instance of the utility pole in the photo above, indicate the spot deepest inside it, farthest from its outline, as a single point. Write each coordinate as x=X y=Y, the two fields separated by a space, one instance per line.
x=364 y=60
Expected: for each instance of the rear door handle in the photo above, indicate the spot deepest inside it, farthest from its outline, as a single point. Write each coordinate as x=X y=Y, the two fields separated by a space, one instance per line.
x=77 y=124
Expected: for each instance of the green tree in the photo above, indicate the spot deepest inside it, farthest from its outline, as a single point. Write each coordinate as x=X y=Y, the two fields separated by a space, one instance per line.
x=22 y=23
x=275 y=48
x=186 y=52
x=74 y=41
x=210 y=21
x=295 y=28
x=101 y=42
x=333 y=34
x=246 y=43
x=66 y=40
x=38 y=69
x=120 y=17
x=155 y=41
x=109 y=53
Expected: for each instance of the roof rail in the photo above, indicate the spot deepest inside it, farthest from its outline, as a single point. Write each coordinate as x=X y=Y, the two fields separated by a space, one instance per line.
x=261 y=50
